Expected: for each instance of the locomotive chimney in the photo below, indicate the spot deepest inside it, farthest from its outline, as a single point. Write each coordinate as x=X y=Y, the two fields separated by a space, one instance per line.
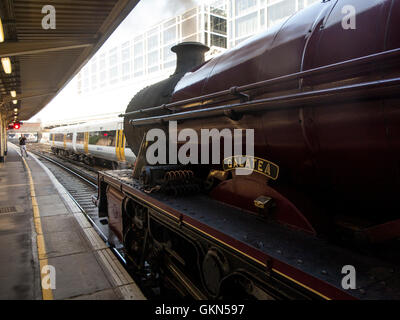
x=189 y=55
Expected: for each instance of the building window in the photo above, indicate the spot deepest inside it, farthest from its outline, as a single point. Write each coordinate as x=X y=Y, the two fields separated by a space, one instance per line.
x=246 y=25
x=169 y=23
x=126 y=70
x=93 y=70
x=189 y=13
x=278 y=12
x=262 y=17
x=218 y=7
x=126 y=61
x=152 y=42
x=218 y=41
x=138 y=49
x=113 y=66
x=153 y=61
x=243 y=6
x=138 y=38
x=189 y=27
x=102 y=67
x=218 y=25
x=138 y=63
x=138 y=73
x=126 y=51
x=85 y=79
x=170 y=35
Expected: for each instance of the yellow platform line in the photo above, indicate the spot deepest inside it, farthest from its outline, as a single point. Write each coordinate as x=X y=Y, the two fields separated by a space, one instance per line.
x=47 y=294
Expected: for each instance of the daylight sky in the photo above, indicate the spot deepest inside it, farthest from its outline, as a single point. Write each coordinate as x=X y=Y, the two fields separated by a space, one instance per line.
x=146 y=14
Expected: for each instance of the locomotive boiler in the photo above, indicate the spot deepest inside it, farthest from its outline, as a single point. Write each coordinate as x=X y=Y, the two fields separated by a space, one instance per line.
x=322 y=97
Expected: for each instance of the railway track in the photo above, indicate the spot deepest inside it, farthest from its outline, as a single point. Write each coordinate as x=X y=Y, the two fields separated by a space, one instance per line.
x=81 y=184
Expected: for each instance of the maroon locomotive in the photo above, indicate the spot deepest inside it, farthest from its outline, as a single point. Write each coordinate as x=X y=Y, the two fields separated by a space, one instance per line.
x=323 y=99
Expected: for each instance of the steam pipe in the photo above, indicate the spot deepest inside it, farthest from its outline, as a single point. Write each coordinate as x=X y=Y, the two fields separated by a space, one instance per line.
x=271 y=103
x=311 y=72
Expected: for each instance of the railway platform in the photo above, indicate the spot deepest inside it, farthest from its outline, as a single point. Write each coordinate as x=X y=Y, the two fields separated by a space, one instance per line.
x=48 y=249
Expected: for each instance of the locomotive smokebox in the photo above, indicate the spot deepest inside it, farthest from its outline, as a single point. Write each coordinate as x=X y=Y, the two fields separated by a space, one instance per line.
x=189 y=56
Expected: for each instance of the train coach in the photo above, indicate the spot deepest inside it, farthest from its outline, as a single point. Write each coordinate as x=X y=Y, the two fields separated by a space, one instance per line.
x=100 y=142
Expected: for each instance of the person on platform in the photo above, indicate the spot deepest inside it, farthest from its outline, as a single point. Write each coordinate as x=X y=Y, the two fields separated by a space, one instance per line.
x=22 y=146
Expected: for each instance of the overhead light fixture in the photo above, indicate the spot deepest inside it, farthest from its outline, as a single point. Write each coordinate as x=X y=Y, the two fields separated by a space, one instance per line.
x=16 y=110
x=15 y=101
x=13 y=93
x=6 y=62
x=1 y=32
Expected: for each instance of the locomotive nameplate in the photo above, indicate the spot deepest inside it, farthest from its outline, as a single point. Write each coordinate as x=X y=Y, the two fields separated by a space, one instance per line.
x=259 y=165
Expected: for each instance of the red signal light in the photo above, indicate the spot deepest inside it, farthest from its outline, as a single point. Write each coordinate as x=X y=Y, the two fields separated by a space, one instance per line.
x=105 y=134
x=17 y=126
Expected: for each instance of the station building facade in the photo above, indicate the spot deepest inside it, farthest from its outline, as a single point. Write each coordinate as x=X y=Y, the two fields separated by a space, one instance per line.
x=248 y=17
x=147 y=58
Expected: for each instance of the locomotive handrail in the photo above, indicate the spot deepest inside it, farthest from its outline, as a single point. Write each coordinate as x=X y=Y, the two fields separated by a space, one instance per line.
x=271 y=103
x=311 y=72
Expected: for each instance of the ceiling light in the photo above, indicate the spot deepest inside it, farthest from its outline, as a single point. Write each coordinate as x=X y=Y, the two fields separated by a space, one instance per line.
x=16 y=110
x=1 y=32
x=13 y=94
x=15 y=101
x=6 y=62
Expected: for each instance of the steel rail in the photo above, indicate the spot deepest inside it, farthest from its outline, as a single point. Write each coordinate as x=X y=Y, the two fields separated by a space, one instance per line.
x=80 y=175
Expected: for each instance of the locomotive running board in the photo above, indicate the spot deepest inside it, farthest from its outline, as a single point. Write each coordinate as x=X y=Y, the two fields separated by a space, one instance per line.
x=304 y=260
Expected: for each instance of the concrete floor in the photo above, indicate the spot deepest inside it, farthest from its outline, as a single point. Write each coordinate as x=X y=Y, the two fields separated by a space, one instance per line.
x=84 y=267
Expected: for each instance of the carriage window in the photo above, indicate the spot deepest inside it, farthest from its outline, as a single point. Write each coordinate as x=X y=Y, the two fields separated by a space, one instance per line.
x=68 y=137
x=59 y=137
x=102 y=138
x=80 y=138
x=51 y=137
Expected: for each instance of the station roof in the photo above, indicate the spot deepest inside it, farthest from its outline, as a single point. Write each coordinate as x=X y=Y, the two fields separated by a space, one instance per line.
x=45 y=60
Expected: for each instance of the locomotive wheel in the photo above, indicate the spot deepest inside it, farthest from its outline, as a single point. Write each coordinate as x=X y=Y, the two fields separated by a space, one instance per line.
x=214 y=268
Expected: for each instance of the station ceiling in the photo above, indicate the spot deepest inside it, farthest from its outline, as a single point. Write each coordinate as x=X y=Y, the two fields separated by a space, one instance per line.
x=45 y=60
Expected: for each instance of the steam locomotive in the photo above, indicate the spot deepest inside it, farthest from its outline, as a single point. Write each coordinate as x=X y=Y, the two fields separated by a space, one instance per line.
x=323 y=100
